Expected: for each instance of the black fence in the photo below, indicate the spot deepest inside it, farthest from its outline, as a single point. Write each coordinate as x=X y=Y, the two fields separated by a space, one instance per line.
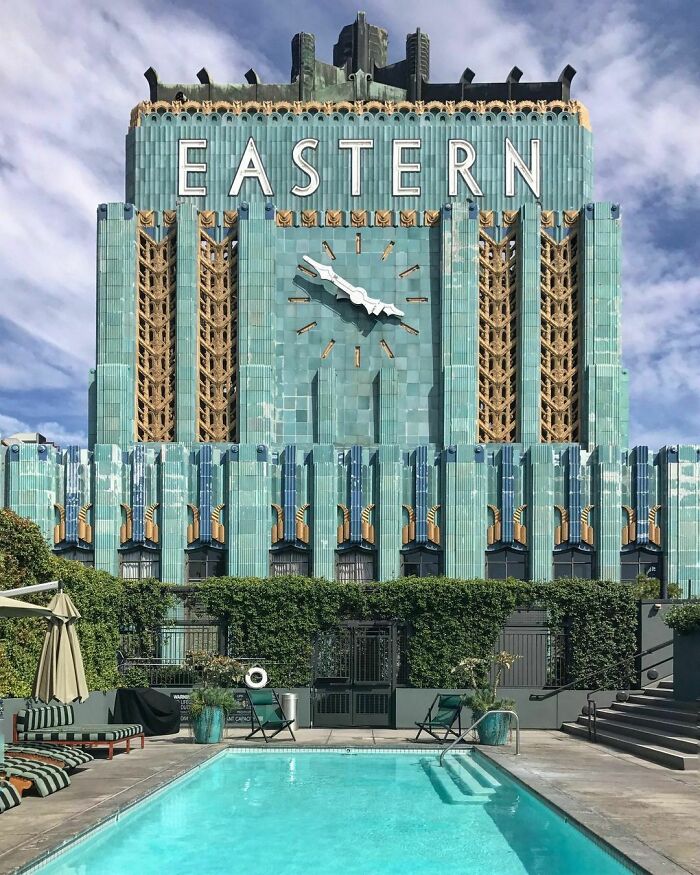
x=158 y=658
x=543 y=658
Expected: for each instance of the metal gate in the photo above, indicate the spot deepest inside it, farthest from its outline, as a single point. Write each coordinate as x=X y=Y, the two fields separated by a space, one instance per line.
x=355 y=668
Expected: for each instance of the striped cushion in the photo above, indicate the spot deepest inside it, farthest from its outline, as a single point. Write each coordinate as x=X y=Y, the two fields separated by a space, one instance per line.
x=9 y=797
x=46 y=779
x=107 y=732
x=71 y=757
x=45 y=717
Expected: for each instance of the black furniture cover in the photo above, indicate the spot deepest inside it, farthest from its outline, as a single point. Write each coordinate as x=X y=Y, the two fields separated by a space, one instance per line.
x=157 y=713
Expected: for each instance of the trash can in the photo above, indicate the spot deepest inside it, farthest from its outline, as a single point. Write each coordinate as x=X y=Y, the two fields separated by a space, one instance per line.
x=289 y=706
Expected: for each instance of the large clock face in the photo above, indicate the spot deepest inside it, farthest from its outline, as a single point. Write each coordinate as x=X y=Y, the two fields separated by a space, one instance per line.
x=358 y=300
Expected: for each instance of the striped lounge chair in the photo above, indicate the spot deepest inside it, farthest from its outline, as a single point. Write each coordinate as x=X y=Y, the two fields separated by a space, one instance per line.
x=56 y=724
x=46 y=779
x=68 y=758
x=9 y=796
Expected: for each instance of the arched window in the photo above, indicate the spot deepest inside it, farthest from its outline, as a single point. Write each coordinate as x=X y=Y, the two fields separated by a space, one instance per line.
x=641 y=560
x=139 y=564
x=504 y=562
x=289 y=561
x=355 y=564
x=78 y=554
x=421 y=562
x=205 y=562
x=573 y=563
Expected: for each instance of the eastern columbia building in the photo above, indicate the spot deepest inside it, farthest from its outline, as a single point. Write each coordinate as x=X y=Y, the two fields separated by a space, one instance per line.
x=359 y=326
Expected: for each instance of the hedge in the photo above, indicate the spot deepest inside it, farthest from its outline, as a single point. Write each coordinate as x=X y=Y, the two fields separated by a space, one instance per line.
x=105 y=603
x=279 y=618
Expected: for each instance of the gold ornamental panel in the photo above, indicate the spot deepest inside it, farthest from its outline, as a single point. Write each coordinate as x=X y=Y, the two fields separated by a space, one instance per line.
x=497 y=339
x=559 y=335
x=217 y=337
x=155 y=337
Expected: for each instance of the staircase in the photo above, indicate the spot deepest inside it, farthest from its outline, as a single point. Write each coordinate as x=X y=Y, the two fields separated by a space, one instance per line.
x=461 y=781
x=650 y=724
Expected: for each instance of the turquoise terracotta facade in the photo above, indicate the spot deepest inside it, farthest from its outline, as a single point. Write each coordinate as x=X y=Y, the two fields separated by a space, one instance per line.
x=349 y=434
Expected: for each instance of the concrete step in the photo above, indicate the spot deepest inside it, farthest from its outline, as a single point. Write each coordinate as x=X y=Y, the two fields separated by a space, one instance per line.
x=659 y=692
x=682 y=743
x=653 y=710
x=647 y=698
x=640 y=718
x=655 y=753
x=447 y=787
x=666 y=685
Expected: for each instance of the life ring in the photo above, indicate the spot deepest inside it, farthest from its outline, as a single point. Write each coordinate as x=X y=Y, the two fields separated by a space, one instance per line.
x=261 y=678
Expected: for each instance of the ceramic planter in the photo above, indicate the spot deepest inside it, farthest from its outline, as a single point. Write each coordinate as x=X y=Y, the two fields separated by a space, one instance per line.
x=209 y=725
x=494 y=728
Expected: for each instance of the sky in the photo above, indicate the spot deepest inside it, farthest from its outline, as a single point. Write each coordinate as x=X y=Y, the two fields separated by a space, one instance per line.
x=71 y=70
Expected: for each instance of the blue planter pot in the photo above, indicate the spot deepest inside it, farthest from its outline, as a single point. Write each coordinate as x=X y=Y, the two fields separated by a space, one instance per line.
x=493 y=729
x=209 y=726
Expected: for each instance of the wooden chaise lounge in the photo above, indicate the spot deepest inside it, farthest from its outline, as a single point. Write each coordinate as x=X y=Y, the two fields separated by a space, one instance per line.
x=56 y=724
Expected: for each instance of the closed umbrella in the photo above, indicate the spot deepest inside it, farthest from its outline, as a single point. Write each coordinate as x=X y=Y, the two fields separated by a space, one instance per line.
x=16 y=608
x=60 y=674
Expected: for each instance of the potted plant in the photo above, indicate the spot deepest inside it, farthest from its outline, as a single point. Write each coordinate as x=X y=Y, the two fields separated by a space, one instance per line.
x=210 y=703
x=493 y=729
x=207 y=710
x=685 y=622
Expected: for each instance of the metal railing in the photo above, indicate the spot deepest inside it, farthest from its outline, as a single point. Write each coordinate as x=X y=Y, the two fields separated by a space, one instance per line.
x=544 y=657
x=621 y=663
x=476 y=723
x=592 y=707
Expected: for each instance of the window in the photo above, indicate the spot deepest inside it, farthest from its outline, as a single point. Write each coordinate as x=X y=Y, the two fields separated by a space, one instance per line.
x=506 y=562
x=204 y=563
x=140 y=564
x=573 y=562
x=76 y=554
x=286 y=562
x=421 y=563
x=355 y=565
x=641 y=560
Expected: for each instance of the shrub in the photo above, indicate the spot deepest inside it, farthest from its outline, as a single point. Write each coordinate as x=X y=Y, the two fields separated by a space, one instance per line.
x=279 y=619
x=684 y=619
x=105 y=604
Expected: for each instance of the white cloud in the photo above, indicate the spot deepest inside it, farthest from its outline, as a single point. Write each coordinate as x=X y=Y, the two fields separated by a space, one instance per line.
x=54 y=431
x=74 y=72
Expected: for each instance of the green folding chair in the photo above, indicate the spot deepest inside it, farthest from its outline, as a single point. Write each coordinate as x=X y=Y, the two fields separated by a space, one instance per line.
x=266 y=715
x=441 y=717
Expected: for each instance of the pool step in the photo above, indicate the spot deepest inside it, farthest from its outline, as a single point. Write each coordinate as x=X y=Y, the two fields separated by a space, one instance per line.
x=460 y=781
x=469 y=766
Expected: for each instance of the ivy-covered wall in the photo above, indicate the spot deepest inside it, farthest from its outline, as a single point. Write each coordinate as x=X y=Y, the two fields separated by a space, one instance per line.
x=279 y=618
x=450 y=619
x=106 y=604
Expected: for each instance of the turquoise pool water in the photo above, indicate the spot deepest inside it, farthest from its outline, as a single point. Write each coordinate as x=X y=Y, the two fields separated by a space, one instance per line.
x=326 y=813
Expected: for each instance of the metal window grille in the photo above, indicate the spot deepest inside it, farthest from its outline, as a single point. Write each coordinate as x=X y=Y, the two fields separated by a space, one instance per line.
x=286 y=562
x=355 y=565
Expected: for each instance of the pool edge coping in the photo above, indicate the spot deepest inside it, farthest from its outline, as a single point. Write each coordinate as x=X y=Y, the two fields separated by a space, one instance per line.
x=622 y=845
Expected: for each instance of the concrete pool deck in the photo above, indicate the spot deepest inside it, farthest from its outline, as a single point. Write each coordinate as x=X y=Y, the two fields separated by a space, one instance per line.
x=646 y=811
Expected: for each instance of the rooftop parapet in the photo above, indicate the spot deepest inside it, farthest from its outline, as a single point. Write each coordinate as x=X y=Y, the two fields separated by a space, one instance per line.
x=359 y=72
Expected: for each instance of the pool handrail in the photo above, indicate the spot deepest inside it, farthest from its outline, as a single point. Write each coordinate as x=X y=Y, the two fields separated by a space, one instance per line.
x=477 y=722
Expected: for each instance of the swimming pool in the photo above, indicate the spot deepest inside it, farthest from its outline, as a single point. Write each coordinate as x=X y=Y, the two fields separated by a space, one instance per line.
x=340 y=812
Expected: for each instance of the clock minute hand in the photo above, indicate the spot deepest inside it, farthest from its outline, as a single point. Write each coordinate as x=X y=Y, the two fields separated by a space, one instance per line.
x=356 y=294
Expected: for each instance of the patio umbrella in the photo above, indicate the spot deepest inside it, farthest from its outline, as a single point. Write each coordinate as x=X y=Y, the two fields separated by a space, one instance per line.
x=60 y=674
x=16 y=608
